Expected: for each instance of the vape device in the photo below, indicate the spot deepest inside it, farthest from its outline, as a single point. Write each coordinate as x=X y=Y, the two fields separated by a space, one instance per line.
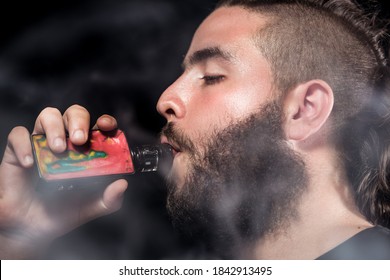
x=105 y=156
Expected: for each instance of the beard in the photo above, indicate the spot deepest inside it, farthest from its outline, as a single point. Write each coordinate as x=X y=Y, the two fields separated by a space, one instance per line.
x=245 y=184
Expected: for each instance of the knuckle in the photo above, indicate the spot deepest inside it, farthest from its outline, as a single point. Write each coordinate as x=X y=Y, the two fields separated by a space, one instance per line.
x=16 y=132
x=49 y=111
x=75 y=113
x=18 y=129
x=76 y=107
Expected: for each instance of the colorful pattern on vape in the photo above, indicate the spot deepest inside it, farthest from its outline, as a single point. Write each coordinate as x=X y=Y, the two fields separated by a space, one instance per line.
x=101 y=155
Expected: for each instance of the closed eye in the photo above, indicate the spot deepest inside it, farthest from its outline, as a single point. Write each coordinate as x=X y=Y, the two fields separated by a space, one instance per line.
x=213 y=79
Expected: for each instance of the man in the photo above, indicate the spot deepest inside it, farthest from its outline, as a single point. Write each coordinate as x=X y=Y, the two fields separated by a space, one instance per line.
x=280 y=147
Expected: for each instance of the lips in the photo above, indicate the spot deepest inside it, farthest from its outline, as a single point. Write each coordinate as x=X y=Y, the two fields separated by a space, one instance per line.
x=175 y=149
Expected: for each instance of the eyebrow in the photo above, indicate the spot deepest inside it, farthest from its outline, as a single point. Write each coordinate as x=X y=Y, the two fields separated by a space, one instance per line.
x=204 y=55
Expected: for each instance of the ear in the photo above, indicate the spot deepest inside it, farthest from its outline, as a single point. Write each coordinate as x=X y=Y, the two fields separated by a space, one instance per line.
x=307 y=108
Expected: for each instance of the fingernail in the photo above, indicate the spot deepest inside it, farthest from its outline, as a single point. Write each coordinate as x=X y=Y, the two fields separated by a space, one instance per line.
x=78 y=135
x=28 y=160
x=58 y=143
x=109 y=120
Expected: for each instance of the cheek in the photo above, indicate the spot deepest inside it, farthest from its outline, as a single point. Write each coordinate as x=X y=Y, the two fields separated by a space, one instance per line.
x=214 y=112
x=243 y=105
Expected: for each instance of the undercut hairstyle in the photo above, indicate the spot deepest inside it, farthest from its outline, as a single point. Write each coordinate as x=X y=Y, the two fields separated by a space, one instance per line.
x=338 y=42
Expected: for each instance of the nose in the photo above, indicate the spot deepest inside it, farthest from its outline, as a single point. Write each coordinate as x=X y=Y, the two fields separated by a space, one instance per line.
x=171 y=104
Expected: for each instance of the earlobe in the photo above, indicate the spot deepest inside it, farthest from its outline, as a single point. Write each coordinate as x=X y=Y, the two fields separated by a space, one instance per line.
x=307 y=108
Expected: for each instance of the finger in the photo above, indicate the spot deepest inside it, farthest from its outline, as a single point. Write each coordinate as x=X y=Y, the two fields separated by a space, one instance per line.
x=106 y=123
x=50 y=123
x=113 y=196
x=19 y=149
x=77 y=121
x=109 y=202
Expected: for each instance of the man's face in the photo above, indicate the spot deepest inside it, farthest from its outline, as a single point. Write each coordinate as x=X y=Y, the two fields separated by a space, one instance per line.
x=225 y=79
x=233 y=175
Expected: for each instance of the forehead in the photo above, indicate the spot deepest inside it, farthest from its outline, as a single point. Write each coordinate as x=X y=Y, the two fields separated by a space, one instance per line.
x=230 y=27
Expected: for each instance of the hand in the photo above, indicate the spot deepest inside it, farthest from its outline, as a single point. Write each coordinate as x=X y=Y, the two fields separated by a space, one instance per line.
x=30 y=220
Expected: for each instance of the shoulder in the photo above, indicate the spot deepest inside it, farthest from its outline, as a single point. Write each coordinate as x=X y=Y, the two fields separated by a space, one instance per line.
x=369 y=244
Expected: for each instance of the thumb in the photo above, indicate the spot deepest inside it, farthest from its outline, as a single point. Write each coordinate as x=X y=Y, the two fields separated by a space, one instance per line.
x=108 y=202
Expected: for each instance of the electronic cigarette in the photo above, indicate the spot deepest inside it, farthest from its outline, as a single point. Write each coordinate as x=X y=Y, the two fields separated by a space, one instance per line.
x=105 y=157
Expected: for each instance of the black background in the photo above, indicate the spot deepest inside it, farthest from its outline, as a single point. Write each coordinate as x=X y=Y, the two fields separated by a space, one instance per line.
x=112 y=57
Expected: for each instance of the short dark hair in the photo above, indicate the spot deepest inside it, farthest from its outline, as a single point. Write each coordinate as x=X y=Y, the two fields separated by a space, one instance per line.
x=336 y=41
x=329 y=40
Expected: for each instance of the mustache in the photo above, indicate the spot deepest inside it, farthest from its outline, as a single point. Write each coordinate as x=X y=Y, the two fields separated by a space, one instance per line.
x=178 y=138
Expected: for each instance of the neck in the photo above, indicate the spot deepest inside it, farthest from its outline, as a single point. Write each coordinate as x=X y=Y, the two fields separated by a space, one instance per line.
x=327 y=215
